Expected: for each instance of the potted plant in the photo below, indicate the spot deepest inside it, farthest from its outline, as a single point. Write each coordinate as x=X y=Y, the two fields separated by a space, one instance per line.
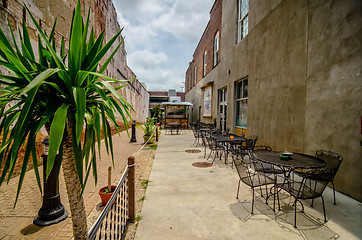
x=148 y=128
x=157 y=114
x=106 y=192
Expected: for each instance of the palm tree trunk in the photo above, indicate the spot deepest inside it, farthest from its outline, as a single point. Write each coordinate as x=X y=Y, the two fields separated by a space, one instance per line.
x=73 y=186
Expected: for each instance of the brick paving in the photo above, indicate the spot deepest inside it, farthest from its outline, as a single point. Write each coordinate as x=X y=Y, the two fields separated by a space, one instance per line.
x=17 y=223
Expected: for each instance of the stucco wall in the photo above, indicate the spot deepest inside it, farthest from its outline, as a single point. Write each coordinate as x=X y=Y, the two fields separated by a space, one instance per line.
x=303 y=60
x=277 y=54
x=334 y=87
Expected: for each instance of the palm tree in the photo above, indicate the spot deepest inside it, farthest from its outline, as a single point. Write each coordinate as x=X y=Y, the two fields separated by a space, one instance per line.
x=68 y=94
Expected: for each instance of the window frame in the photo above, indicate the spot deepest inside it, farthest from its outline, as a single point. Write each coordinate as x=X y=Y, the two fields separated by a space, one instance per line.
x=216 y=48
x=205 y=63
x=243 y=16
x=241 y=98
x=195 y=75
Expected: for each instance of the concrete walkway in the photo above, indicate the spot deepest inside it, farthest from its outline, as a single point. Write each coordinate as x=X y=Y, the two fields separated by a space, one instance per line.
x=17 y=223
x=186 y=202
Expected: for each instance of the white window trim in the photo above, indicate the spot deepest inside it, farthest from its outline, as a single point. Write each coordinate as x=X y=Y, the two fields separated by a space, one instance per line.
x=240 y=21
x=205 y=63
x=240 y=100
x=195 y=75
x=216 y=48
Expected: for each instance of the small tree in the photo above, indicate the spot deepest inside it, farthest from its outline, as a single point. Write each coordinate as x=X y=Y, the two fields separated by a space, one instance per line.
x=66 y=93
x=156 y=113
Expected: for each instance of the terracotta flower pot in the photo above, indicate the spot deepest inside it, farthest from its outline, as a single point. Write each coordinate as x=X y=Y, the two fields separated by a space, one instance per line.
x=106 y=196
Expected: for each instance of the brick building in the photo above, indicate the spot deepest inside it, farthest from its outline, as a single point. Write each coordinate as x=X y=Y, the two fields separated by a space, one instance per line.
x=207 y=53
x=103 y=16
x=158 y=97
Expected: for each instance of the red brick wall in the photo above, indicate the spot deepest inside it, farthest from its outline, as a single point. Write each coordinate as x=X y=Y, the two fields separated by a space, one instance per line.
x=206 y=43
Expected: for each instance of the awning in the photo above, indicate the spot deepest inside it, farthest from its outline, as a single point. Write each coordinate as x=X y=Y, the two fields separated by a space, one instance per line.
x=178 y=103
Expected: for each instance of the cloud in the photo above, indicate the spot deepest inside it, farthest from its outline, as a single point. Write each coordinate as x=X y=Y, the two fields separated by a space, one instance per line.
x=161 y=36
x=184 y=20
x=147 y=59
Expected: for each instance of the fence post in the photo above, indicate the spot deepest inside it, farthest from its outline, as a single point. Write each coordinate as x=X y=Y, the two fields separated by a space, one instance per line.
x=131 y=188
x=133 y=138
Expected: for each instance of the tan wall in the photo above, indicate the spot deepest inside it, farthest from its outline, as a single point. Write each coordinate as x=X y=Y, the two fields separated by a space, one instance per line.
x=334 y=87
x=277 y=54
x=303 y=61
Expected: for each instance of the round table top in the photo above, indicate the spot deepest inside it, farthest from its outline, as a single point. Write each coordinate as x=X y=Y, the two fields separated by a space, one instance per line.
x=226 y=137
x=298 y=160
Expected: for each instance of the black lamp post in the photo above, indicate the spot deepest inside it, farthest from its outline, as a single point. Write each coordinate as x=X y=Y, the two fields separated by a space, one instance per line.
x=133 y=138
x=52 y=210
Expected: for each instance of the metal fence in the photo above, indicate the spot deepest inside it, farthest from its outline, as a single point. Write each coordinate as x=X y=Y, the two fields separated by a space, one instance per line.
x=120 y=210
x=113 y=220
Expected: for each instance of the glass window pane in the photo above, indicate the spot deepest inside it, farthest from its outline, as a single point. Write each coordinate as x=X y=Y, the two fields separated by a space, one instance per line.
x=245 y=26
x=245 y=89
x=242 y=113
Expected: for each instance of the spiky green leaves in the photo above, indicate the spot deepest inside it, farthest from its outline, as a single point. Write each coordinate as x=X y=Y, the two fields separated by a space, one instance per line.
x=62 y=89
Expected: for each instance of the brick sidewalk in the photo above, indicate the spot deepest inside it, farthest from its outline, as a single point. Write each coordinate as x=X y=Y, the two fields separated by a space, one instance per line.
x=17 y=223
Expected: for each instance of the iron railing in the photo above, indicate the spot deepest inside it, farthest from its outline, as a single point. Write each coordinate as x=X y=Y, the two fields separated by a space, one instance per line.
x=120 y=210
x=113 y=220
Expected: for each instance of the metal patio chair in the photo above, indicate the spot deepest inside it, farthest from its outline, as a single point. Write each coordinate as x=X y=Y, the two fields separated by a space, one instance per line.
x=215 y=147
x=310 y=186
x=250 y=177
x=333 y=161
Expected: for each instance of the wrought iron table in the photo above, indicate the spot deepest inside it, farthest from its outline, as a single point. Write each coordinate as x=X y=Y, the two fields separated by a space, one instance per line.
x=297 y=161
x=226 y=139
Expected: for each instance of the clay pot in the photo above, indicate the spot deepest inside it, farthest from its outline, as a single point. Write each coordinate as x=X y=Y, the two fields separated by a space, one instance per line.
x=106 y=196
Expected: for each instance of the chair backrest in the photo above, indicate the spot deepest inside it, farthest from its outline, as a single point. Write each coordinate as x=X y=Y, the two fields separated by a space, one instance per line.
x=312 y=186
x=210 y=141
x=250 y=143
x=333 y=161
x=244 y=170
x=236 y=147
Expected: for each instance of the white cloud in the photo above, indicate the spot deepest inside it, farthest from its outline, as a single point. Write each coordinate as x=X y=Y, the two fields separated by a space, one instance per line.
x=147 y=59
x=161 y=36
x=184 y=20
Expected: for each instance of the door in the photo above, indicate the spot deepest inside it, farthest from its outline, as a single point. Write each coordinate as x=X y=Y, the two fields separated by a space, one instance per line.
x=222 y=108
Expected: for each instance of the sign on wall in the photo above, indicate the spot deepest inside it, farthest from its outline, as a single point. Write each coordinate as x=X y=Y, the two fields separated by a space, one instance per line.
x=207 y=102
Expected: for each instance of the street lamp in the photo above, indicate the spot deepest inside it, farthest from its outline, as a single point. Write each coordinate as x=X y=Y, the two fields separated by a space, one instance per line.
x=52 y=210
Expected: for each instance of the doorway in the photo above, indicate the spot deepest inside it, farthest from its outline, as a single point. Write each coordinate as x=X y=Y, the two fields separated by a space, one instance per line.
x=222 y=108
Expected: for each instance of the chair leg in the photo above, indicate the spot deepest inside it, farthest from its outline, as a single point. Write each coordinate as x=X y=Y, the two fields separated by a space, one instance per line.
x=237 y=193
x=324 y=210
x=252 y=203
x=261 y=191
x=209 y=155
x=334 y=194
x=295 y=213
x=278 y=200
x=215 y=153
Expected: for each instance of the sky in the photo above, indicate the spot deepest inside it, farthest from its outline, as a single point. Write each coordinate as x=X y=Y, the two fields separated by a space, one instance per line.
x=161 y=37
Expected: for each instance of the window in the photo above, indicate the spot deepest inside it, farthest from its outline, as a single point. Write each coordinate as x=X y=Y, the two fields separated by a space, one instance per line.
x=242 y=103
x=204 y=69
x=216 y=48
x=243 y=10
x=195 y=76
